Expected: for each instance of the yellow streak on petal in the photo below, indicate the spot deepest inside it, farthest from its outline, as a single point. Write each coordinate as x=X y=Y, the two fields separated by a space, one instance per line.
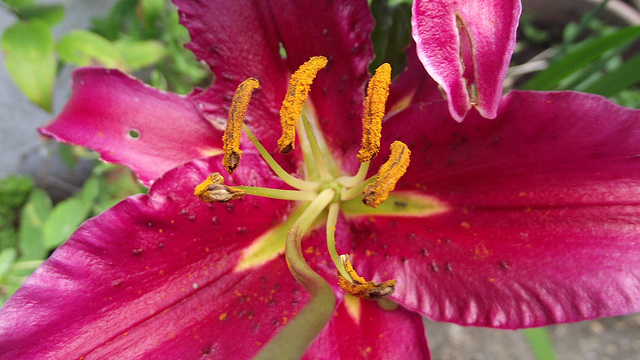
x=268 y=246
x=299 y=87
x=374 y=107
x=353 y=306
x=399 y=203
x=211 y=151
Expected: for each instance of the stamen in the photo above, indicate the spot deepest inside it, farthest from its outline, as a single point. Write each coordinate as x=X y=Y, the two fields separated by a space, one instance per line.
x=213 y=189
x=362 y=288
x=315 y=149
x=299 y=87
x=332 y=220
x=388 y=175
x=282 y=174
x=374 y=107
x=233 y=132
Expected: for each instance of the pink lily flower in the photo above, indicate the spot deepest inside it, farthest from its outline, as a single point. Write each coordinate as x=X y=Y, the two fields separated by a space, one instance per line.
x=526 y=220
x=466 y=46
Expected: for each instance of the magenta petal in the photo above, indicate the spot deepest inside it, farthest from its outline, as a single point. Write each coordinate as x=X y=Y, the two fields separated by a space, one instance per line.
x=543 y=212
x=360 y=329
x=155 y=277
x=133 y=124
x=412 y=86
x=238 y=40
x=339 y=30
x=246 y=43
x=491 y=29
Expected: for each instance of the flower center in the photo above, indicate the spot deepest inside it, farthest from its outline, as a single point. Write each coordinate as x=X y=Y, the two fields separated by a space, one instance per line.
x=327 y=192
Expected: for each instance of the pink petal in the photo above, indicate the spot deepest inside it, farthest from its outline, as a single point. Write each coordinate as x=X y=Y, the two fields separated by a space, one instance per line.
x=106 y=105
x=412 y=86
x=363 y=330
x=543 y=213
x=154 y=277
x=491 y=29
x=339 y=30
x=246 y=43
x=238 y=41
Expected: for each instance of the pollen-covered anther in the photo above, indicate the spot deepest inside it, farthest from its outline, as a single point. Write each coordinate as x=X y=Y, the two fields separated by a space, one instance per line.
x=388 y=175
x=299 y=87
x=213 y=189
x=233 y=132
x=359 y=287
x=374 y=109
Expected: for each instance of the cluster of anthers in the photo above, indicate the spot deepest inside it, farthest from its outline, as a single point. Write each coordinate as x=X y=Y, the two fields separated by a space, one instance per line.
x=327 y=190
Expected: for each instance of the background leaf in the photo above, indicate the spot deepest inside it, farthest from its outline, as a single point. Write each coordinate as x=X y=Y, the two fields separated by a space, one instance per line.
x=86 y=48
x=17 y=4
x=29 y=49
x=391 y=35
x=141 y=53
x=49 y=14
x=580 y=57
x=63 y=221
x=540 y=343
x=32 y=219
x=617 y=80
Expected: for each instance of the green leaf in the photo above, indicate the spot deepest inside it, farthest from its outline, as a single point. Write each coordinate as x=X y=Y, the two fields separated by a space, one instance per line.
x=391 y=35
x=64 y=219
x=150 y=10
x=581 y=56
x=617 y=80
x=18 y=4
x=49 y=14
x=29 y=49
x=112 y=26
x=540 y=343
x=32 y=219
x=86 y=48
x=629 y=98
x=14 y=191
x=141 y=53
x=90 y=191
x=7 y=257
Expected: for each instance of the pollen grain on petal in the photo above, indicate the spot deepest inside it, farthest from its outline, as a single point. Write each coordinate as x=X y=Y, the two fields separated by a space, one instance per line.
x=374 y=109
x=358 y=286
x=388 y=175
x=233 y=132
x=213 y=189
x=299 y=87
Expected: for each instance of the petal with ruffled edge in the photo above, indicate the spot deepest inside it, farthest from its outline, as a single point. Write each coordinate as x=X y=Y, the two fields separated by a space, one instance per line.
x=360 y=329
x=465 y=42
x=133 y=124
x=543 y=207
x=247 y=43
x=156 y=276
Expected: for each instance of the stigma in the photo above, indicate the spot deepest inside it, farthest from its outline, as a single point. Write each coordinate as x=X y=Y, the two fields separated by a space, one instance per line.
x=322 y=194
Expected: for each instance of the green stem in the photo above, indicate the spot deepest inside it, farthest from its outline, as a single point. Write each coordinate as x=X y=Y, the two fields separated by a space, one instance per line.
x=356 y=190
x=351 y=181
x=285 y=176
x=293 y=195
x=315 y=149
x=294 y=339
x=332 y=220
